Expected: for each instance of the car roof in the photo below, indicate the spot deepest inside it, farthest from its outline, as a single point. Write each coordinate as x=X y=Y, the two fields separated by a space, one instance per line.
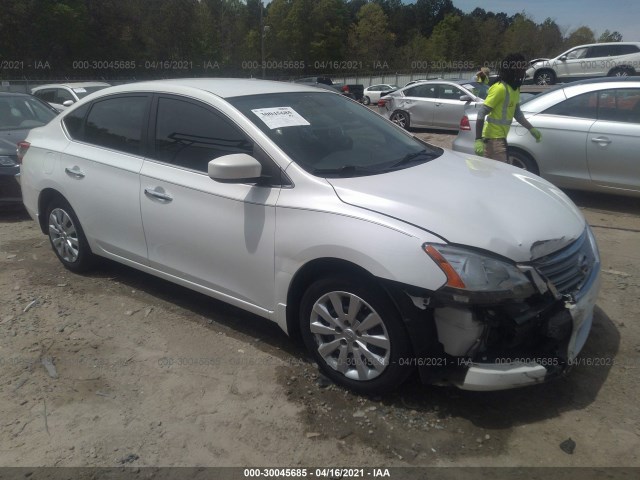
x=73 y=85
x=590 y=81
x=605 y=43
x=457 y=81
x=222 y=87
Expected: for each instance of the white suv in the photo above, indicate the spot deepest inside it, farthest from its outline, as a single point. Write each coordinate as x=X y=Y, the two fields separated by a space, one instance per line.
x=587 y=61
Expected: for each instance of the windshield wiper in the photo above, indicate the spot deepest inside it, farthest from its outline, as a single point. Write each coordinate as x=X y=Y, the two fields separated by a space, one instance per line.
x=412 y=157
x=345 y=170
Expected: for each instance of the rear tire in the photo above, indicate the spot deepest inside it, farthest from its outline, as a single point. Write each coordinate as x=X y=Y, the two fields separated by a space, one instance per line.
x=401 y=119
x=67 y=237
x=366 y=100
x=622 y=72
x=355 y=334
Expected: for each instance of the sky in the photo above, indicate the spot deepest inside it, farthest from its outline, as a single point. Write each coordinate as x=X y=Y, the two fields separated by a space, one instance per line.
x=599 y=15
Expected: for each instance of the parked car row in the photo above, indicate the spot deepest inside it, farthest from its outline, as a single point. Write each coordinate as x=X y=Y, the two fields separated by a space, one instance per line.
x=590 y=131
x=312 y=211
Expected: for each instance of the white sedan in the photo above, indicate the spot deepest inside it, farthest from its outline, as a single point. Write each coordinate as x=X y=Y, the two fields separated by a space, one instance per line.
x=373 y=92
x=305 y=208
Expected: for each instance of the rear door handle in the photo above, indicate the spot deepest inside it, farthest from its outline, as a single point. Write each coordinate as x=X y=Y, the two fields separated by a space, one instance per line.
x=74 y=172
x=601 y=140
x=150 y=192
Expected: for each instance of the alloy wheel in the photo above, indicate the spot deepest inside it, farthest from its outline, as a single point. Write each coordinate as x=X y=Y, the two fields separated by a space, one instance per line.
x=64 y=235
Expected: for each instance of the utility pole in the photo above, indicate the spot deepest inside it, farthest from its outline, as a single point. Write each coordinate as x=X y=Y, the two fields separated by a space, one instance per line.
x=262 y=40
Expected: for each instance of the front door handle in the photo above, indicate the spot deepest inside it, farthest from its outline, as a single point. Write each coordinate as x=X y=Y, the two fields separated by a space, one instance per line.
x=150 y=192
x=74 y=172
x=601 y=140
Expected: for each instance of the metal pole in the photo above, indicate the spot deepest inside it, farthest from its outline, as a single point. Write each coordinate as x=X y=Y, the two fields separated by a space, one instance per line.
x=262 y=41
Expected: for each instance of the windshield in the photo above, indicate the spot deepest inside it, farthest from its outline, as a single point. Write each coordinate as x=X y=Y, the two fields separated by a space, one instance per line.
x=82 y=92
x=23 y=112
x=331 y=136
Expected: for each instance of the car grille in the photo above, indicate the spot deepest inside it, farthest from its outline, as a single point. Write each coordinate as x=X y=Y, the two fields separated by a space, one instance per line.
x=568 y=269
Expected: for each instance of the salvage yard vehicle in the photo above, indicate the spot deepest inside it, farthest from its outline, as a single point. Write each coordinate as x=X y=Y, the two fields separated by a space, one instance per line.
x=590 y=135
x=435 y=104
x=382 y=252
x=607 y=59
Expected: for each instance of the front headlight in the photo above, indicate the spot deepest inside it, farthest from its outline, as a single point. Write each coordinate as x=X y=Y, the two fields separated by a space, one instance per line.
x=470 y=271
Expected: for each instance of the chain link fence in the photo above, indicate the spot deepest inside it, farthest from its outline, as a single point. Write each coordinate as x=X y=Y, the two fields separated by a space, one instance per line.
x=24 y=85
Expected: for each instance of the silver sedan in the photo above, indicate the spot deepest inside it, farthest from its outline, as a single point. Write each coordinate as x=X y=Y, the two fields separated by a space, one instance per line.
x=435 y=104
x=590 y=135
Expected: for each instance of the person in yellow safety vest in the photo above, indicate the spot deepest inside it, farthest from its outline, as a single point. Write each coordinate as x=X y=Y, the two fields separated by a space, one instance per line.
x=482 y=76
x=500 y=107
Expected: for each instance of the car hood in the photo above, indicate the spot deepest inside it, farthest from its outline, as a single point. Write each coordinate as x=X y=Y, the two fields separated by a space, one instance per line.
x=468 y=200
x=9 y=140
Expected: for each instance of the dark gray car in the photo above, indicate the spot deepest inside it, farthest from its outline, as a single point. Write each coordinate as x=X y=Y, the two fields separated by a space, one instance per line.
x=19 y=113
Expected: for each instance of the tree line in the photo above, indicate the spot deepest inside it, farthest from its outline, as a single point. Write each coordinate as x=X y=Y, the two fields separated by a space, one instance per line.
x=286 y=38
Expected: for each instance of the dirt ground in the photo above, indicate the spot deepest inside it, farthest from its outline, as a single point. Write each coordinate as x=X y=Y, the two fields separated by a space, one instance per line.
x=120 y=368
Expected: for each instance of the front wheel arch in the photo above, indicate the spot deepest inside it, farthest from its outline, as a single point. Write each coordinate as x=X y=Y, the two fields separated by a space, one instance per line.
x=305 y=276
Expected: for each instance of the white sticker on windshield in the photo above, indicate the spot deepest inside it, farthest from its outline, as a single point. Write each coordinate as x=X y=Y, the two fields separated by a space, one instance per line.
x=79 y=90
x=280 y=117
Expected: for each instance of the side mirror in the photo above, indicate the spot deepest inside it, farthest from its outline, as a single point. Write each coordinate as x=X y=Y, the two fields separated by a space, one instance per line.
x=68 y=103
x=235 y=168
x=465 y=98
x=563 y=58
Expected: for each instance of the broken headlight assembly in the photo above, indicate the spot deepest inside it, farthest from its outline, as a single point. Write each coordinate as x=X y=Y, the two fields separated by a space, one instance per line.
x=473 y=277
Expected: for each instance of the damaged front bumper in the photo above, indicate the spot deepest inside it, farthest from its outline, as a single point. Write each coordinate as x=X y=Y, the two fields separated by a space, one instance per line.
x=516 y=371
x=479 y=344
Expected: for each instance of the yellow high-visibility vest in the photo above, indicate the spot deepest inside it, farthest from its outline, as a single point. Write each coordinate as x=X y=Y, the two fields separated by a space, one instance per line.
x=502 y=99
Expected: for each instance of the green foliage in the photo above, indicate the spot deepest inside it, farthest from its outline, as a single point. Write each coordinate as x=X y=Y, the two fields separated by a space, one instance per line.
x=608 y=36
x=580 y=36
x=231 y=34
x=370 y=39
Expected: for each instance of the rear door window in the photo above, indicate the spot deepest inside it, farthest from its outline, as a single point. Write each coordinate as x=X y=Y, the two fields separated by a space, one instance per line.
x=582 y=106
x=117 y=123
x=621 y=105
x=422 y=91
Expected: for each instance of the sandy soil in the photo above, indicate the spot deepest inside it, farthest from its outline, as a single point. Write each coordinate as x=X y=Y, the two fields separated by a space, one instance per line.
x=119 y=368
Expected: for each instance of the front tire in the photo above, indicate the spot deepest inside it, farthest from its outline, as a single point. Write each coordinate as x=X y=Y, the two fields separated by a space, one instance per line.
x=366 y=100
x=401 y=119
x=522 y=160
x=67 y=237
x=544 y=77
x=355 y=334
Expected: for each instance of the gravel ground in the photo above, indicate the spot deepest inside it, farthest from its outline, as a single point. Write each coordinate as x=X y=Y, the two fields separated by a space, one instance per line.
x=119 y=368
